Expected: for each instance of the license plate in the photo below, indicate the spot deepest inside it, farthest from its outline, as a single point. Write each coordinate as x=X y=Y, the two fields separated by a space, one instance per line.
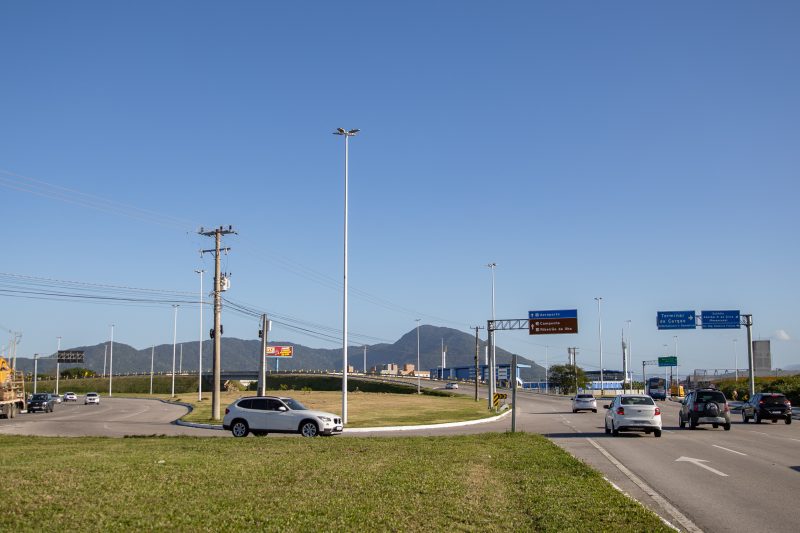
x=338 y=428
x=775 y=412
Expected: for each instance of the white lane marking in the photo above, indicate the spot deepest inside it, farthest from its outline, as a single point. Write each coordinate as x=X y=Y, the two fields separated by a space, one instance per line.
x=728 y=449
x=699 y=462
x=796 y=440
x=687 y=524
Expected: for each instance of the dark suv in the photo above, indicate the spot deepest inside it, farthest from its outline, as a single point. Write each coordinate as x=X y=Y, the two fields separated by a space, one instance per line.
x=767 y=406
x=41 y=401
x=705 y=406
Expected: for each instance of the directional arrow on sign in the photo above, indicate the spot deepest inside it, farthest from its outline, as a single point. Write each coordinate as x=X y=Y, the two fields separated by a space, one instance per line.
x=699 y=462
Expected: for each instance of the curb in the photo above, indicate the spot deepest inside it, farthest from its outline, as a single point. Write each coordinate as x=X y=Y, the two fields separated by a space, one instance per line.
x=368 y=430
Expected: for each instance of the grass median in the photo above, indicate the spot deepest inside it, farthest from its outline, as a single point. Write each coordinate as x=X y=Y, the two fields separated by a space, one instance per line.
x=364 y=409
x=489 y=482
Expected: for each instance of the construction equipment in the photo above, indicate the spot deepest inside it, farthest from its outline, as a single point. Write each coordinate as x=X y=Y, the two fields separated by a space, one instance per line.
x=12 y=390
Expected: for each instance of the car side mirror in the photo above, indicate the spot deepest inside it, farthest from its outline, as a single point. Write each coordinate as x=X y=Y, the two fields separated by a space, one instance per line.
x=282 y=408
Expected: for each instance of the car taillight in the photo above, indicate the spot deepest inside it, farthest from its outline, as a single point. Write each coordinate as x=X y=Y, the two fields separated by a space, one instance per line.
x=787 y=403
x=760 y=402
x=727 y=408
x=620 y=410
x=697 y=407
x=227 y=410
x=658 y=411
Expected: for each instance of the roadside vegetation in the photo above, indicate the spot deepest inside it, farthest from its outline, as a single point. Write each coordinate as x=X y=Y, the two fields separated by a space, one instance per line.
x=787 y=385
x=489 y=482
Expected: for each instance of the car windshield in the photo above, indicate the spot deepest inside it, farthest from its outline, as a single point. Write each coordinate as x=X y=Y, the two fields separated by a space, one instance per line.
x=774 y=399
x=294 y=405
x=39 y=397
x=637 y=400
x=585 y=396
x=711 y=396
x=91 y=394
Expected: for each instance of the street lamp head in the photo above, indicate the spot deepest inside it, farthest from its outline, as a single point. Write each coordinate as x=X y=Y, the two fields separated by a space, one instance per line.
x=346 y=133
x=491 y=265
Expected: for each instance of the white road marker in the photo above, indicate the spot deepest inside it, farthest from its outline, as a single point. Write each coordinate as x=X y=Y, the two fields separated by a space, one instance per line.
x=699 y=462
x=687 y=524
x=728 y=449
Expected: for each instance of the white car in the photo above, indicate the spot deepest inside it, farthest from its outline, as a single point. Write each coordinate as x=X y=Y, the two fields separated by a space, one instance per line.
x=584 y=402
x=91 y=397
x=451 y=385
x=70 y=397
x=56 y=398
x=260 y=415
x=633 y=412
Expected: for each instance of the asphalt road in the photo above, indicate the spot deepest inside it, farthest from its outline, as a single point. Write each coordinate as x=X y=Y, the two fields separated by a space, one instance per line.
x=114 y=417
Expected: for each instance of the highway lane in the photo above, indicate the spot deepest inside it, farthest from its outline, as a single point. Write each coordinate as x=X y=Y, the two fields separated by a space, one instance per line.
x=114 y=417
x=749 y=481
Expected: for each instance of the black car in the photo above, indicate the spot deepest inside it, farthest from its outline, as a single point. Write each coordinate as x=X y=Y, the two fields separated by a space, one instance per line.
x=41 y=401
x=767 y=406
x=705 y=406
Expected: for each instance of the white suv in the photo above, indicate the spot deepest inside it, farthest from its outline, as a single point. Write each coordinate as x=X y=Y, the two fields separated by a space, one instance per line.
x=260 y=415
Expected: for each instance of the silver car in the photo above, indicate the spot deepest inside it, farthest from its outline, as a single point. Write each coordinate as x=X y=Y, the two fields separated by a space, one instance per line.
x=584 y=402
x=260 y=415
x=633 y=412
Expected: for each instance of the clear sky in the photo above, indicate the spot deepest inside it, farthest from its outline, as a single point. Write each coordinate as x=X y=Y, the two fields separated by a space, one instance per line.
x=643 y=153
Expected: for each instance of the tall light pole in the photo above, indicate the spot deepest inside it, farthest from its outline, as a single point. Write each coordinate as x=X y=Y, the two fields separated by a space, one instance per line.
x=419 y=386
x=547 y=371
x=735 y=362
x=152 y=359
x=600 y=339
x=58 y=369
x=174 y=340
x=111 y=360
x=346 y=134
x=492 y=384
x=200 y=343
x=629 y=359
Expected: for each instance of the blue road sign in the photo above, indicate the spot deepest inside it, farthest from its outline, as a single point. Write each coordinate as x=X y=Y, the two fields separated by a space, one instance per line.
x=563 y=313
x=721 y=319
x=676 y=320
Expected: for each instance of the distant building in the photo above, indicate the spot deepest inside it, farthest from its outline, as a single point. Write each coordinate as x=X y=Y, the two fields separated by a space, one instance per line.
x=408 y=369
x=389 y=369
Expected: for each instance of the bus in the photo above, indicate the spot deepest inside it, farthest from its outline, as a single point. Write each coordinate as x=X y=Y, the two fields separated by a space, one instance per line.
x=656 y=388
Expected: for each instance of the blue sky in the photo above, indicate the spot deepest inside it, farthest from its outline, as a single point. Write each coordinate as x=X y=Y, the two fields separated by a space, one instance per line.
x=639 y=152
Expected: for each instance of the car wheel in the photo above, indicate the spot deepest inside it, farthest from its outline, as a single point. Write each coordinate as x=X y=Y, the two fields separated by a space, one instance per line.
x=744 y=418
x=239 y=428
x=727 y=426
x=614 y=431
x=574 y=410
x=757 y=418
x=594 y=410
x=715 y=426
x=309 y=429
x=692 y=422
x=681 y=422
x=657 y=433
x=789 y=419
x=608 y=431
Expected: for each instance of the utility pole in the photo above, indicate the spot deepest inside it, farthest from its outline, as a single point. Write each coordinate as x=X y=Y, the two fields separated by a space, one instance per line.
x=111 y=361
x=58 y=368
x=35 y=371
x=152 y=359
x=217 y=233
x=573 y=357
x=477 y=353
x=365 y=359
x=105 y=356
x=174 y=339
x=200 y=344
x=262 y=367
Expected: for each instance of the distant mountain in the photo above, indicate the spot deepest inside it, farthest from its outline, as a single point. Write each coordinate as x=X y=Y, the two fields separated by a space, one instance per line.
x=238 y=354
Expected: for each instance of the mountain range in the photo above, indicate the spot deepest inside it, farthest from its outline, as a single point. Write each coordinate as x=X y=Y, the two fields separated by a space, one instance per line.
x=238 y=354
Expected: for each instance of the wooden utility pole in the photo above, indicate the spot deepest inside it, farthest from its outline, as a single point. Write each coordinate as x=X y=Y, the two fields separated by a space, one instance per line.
x=217 y=333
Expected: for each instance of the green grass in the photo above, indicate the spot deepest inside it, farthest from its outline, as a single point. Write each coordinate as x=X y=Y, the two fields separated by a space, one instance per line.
x=490 y=482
